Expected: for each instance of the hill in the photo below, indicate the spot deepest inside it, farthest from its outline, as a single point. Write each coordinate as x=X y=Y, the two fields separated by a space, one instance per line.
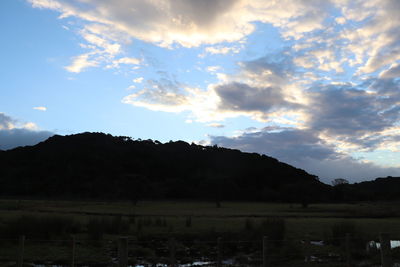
x=97 y=165
x=386 y=189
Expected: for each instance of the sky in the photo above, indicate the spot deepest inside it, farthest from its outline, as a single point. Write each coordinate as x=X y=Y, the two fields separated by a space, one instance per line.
x=313 y=83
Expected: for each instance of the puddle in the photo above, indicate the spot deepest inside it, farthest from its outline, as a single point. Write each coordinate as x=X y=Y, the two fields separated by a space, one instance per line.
x=377 y=245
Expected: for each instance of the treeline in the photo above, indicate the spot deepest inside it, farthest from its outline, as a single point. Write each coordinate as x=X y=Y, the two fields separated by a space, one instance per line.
x=97 y=165
x=386 y=189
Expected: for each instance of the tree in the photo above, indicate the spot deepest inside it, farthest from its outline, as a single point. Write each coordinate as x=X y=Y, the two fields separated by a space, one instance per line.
x=338 y=189
x=339 y=181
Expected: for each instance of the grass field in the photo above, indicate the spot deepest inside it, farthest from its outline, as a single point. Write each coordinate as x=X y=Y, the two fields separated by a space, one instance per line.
x=231 y=216
x=236 y=221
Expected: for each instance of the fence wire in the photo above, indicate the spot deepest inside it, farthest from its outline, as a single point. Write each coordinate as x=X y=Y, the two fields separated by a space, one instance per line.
x=344 y=251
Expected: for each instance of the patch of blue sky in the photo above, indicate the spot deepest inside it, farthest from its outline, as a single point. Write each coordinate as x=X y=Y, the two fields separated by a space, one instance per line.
x=381 y=157
x=34 y=49
x=266 y=39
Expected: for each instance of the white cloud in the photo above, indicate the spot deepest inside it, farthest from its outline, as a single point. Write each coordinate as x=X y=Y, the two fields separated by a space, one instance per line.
x=40 y=108
x=216 y=125
x=81 y=62
x=222 y=50
x=138 y=80
x=340 y=20
x=191 y=22
x=125 y=60
x=213 y=68
x=373 y=42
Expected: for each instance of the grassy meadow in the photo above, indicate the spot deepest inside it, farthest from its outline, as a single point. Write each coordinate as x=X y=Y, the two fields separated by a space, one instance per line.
x=49 y=225
x=315 y=220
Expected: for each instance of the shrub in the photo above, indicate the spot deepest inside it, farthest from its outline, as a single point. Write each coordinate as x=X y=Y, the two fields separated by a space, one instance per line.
x=248 y=224
x=339 y=230
x=40 y=227
x=188 y=222
x=274 y=229
x=97 y=227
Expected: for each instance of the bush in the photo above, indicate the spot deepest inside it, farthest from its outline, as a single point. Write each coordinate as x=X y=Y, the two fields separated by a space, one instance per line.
x=188 y=222
x=339 y=230
x=248 y=224
x=97 y=227
x=274 y=229
x=43 y=227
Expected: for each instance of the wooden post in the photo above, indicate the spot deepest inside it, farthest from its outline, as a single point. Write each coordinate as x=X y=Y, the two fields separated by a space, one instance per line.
x=123 y=252
x=265 y=251
x=172 y=251
x=347 y=247
x=385 y=250
x=20 y=260
x=219 y=252
x=307 y=249
x=73 y=252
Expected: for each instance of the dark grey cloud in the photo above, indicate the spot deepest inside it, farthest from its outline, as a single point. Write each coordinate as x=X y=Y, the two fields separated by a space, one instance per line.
x=356 y=114
x=242 y=97
x=5 y=121
x=201 y=12
x=269 y=75
x=289 y=145
x=11 y=137
x=346 y=110
x=279 y=64
x=21 y=137
x=303 y=149
x=346 y=167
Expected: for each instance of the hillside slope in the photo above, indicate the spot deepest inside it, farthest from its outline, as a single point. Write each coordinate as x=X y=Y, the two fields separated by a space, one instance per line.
x=96 y=165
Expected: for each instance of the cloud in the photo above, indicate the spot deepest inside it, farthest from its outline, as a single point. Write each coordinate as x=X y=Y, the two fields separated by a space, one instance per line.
x=213 y=68
x=138 y=80
x=169 y=95
x=261 y=90
x=220 y=50
x=216 y=125
x=81 y=62
x=6 y=122
x=242 y=97
x=347 y=110
x=362 y=32
x=304 y=149
x=124 y=60
x=14 y=133
x=40 y=108
x=191 y=22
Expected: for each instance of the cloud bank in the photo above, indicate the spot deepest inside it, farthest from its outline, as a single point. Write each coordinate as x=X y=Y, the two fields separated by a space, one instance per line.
x=14 y=133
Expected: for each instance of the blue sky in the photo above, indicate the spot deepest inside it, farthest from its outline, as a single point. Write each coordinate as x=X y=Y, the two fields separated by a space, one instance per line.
x=312 y=83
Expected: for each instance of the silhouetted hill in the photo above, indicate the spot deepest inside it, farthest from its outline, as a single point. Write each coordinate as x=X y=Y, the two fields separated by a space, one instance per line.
x=96 y=165
x=379 y=189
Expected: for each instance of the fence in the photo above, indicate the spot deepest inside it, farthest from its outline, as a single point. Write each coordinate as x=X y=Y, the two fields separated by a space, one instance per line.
x=128 y=251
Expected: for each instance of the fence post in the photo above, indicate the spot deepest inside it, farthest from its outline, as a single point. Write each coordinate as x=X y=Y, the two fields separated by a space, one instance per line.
x=20 y=261
x=307 y=246
x=172 y=252
x=265 y=251
x=219 y=252
x=73 y=252
x=385 y=250
x=123 y=252
x=347 y=247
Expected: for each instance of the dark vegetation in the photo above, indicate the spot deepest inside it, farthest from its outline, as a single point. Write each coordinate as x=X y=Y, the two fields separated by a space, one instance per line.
x=101 y=166
x=96 y=165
